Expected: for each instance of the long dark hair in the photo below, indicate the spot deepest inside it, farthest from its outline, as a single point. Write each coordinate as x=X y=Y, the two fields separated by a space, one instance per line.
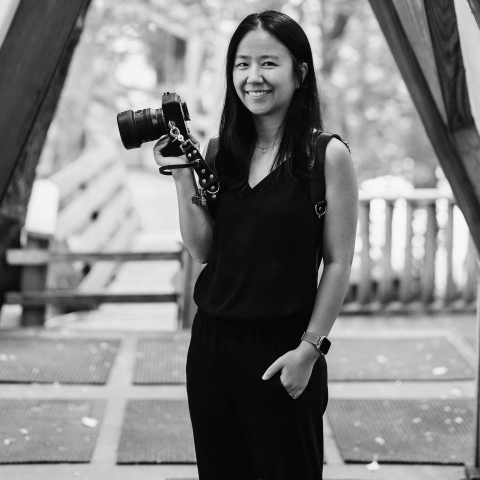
x=237 y=132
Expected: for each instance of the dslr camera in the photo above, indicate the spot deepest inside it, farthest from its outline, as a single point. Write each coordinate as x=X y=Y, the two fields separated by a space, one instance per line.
x=150 y=124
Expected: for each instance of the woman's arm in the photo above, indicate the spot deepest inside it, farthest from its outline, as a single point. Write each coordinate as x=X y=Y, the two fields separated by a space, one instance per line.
x=339 y=233
x=196 y=225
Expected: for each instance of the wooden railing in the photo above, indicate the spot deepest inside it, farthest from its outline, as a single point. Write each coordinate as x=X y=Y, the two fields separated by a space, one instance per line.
x=34 y=295
x=78 y=231
x=413 y=251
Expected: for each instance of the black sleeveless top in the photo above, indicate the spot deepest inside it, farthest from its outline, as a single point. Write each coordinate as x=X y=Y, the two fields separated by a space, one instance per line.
x=265 y=254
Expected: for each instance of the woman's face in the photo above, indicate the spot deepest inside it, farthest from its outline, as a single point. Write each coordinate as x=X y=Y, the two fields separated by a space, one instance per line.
x=263 y=74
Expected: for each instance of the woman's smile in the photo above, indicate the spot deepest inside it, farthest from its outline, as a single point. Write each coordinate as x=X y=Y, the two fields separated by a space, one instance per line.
x=258 y=93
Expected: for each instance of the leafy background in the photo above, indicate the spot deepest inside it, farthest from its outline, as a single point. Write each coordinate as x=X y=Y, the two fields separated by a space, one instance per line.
x=132 y=51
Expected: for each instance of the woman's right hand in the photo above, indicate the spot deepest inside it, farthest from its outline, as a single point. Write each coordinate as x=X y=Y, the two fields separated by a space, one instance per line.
x=196 y=226
x=162 y=161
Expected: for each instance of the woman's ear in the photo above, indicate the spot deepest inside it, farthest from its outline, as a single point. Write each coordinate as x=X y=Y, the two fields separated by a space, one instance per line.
x=304 y=69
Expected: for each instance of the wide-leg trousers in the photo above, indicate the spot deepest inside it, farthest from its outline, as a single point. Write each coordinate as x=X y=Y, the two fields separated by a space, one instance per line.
x=246 y=428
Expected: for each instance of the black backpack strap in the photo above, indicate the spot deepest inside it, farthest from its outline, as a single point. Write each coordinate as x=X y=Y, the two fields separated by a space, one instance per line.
x=212 y=149
x=317 y=184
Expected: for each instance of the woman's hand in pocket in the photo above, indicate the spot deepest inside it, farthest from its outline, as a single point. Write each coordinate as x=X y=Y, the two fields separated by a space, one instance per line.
x=296 y=368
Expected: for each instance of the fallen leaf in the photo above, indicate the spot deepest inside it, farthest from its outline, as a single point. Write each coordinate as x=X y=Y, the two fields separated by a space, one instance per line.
x=440 y=370
x=90 y=422
x=374 y=465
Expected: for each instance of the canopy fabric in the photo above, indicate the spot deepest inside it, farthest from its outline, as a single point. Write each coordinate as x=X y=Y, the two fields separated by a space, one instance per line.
x=7 y=11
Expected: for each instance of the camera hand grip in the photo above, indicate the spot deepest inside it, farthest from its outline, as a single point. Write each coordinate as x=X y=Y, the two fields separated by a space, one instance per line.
x=208 y=180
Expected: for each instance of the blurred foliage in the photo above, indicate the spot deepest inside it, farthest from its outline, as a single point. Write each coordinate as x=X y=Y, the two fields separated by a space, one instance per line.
x=132 y=49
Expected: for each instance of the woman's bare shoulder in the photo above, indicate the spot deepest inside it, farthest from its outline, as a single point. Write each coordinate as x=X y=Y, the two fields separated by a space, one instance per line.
x=337 y=155
x=339 y=167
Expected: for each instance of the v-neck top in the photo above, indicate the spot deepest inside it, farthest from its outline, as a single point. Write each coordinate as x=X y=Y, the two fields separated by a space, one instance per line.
x=265 y=254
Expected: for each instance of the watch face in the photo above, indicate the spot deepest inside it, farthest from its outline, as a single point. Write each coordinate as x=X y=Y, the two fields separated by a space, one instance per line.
x=325 y=345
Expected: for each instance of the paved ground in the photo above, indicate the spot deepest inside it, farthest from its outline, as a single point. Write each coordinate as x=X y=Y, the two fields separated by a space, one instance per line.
x=130 y=322
x=119 y=389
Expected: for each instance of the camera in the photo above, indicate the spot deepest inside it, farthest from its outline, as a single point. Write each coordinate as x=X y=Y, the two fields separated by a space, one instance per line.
x=150 y=124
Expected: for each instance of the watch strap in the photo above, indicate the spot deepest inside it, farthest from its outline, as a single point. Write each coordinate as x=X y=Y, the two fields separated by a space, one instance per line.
x=314 y=339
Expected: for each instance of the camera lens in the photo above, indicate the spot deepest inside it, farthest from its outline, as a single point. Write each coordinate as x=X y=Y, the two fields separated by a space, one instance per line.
x=140 y=126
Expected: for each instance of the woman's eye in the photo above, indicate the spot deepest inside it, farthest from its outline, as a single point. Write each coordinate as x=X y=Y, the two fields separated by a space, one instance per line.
x=242 y=64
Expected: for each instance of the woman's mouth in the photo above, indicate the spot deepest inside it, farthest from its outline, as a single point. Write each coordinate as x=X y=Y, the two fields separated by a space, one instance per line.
x=259 y=93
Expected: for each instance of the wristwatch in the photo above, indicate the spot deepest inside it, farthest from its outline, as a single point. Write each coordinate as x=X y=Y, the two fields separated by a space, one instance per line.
x=322 y=344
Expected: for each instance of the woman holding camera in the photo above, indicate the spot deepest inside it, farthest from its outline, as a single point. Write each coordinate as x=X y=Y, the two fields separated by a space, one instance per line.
x=256 y=366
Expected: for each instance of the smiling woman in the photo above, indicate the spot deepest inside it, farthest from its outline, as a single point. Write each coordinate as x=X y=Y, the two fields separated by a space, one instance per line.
x=256 y=370
x=271 y=88
x=265 y=83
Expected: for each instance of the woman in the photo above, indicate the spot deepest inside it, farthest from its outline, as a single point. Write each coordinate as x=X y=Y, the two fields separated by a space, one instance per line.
x=256 y=391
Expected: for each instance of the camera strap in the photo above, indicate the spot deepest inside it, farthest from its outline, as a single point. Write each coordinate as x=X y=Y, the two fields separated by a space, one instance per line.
x=209 y=182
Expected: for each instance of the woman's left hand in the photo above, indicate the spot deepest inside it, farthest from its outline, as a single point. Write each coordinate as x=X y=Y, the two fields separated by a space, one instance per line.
x=296 y=366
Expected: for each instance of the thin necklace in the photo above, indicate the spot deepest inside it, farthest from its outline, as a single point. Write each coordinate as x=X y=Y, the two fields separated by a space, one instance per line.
x=264 y=150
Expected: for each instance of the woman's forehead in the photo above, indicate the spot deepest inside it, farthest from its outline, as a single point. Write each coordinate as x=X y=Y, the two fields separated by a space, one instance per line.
x=260 y=44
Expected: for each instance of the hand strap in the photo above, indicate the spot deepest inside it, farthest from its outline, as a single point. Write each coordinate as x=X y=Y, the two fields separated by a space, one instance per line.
x=165 y=170
x=208 y=180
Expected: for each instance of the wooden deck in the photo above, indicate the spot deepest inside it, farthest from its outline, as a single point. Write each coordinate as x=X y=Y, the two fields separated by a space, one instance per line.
x=118 y=321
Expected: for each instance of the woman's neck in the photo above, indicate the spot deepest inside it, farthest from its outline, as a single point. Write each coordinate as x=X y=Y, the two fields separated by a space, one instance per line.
x=268 y=131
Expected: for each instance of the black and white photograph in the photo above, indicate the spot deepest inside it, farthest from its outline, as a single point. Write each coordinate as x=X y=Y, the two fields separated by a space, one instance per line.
x=239 y=239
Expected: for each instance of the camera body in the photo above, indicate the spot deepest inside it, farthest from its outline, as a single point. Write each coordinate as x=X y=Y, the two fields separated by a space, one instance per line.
x=150 y=124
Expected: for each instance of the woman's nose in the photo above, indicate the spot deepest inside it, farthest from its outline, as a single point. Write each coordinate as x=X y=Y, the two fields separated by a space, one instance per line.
x=254 y=75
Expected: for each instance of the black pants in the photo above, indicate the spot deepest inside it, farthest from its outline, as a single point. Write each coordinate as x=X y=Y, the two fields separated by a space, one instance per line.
x=246 y=428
